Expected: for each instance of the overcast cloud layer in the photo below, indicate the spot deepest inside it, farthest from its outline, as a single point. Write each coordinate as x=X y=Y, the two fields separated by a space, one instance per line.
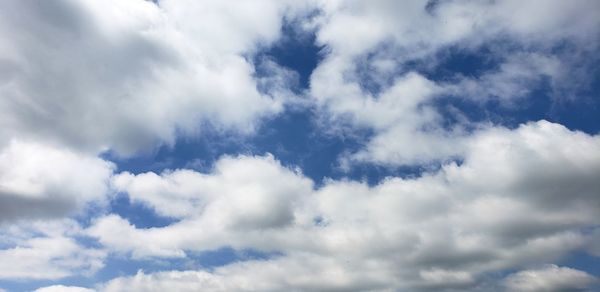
x=467 y=186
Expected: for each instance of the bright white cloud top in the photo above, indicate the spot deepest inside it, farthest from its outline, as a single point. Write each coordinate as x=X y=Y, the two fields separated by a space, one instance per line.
x=479 y=175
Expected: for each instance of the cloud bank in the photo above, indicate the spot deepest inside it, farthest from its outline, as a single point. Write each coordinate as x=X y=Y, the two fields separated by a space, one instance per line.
x=504 y=207
x=454 y=107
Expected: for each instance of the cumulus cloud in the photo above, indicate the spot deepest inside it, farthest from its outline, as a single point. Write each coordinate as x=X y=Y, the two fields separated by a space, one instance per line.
x=62 y=288
x=398 y=115
x=39 y=181
x=550 y=278
x=503 y=207
x=243 y=195
x=245 y=184
x=297 y=274
x=46 y=250
x=419 y=28
x=128 y=75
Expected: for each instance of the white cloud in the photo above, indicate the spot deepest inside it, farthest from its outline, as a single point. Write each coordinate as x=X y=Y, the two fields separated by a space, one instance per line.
x=46 y=250
x=39 y=181
x=550 y=278
x=293 y=274
x=242 y=187
x=62 y=288
x=128 y=75
x=502 y=208
x=407 y=130
x=253 y=194
x=174 y=281
x=417 y=30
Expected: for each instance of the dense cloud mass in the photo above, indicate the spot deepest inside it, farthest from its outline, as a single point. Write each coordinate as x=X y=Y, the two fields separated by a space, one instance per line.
x=62 y=288
x=46 y=250
x=550 y=278
x=149 y=71
x=440 y=230
x=38 y=181
x=145 y=145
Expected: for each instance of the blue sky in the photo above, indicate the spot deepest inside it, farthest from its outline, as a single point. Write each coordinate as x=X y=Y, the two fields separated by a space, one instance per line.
x=300 y=145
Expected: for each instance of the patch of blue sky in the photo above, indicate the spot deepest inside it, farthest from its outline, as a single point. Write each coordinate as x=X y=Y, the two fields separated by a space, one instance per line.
x=138 y=214
x=581 y=113
x=582 y=260
x=227 y=255
x=576 y=107
x=296 y=50
x=454 y=110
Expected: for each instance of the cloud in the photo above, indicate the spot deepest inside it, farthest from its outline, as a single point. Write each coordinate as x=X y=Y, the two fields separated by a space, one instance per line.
x=39 y=181
x=550 y=278
x=368 y=69
x=244 y=184
x=407 y=128
x=62 y=288
x=419 y=28
x=134 y=75
x=79 y=78
x=141 y=74
x=298 y=274
x=254 y=194
x=513 y=81
x=46 y=250
x=502 y=208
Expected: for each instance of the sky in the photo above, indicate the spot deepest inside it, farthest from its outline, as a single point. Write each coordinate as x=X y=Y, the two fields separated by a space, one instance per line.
x=317 y=145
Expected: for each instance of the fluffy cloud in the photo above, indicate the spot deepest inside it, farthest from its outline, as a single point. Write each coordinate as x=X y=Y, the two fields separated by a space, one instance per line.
x=244 y=196
x=293 y=274
x=415 y=25
x=398 y=115
x=503 y=207
x=62 y=288
x=550 y=278
x=38 y=181
x=127 y=75
x=245 y=185
x=46 y=250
